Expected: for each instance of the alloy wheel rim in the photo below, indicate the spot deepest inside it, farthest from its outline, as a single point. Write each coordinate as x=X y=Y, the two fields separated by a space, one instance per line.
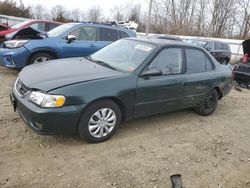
x=102 y=122
x=41 y=59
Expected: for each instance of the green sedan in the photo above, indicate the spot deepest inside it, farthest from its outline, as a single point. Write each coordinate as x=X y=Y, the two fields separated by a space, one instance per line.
x=127 y=79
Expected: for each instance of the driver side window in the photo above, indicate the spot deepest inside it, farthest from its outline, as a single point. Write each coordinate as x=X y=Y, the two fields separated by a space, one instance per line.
x=84 y=33
x=169 y=61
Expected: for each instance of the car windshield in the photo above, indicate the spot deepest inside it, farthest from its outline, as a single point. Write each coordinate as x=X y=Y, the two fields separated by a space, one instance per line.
x=59 y=30
x=20 y=24
x=125 y=55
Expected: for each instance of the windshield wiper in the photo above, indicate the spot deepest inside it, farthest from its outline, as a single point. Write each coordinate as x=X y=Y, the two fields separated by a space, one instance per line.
x=100 y=63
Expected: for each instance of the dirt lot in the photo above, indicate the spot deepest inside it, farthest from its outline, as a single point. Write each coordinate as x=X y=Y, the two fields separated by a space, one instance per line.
x=209 y=151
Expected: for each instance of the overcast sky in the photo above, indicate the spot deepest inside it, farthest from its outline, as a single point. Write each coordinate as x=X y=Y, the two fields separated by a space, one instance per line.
x=106 y=5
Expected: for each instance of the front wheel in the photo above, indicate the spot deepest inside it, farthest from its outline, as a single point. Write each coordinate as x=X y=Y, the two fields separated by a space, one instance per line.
x=100 y=121
x=208 y=105
x=40 y=57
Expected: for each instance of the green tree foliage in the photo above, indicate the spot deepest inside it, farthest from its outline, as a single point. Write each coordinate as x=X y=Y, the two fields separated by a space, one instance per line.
x=11 y=8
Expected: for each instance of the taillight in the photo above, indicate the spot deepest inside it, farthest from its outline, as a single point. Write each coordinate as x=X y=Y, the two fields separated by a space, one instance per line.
x=245 y=58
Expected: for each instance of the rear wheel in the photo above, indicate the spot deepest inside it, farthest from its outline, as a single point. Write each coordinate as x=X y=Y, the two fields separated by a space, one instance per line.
x=208 y=105
x=40 y=57
x=100 y=121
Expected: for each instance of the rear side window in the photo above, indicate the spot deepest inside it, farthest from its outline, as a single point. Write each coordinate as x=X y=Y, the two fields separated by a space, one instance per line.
x=210 y=46
x=38 y=26
x=51 y=26
x=106 y=34
x=169 y=61
x=220 y=46
x=196 y=61
x=123 y=34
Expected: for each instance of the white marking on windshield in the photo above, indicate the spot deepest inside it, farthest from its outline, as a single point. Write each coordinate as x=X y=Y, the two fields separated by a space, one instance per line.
x=143 y=47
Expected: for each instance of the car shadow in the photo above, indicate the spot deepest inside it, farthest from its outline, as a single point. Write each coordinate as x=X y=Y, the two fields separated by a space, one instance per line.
x=128 y=128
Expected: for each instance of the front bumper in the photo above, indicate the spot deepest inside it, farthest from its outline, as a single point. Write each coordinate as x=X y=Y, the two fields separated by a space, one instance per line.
x=47 y=121
x=14 y=58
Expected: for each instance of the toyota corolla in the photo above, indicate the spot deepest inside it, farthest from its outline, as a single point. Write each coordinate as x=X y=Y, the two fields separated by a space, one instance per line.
x=129 y=78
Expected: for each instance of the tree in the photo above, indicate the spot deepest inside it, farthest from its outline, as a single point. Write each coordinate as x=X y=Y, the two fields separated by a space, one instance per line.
x=76 y=15
x=222 y=11
x=244 y=12
x=135 y=13
x=59 y=14
x=117 y=13
x=39 y=12
x=10 y=7
x=94 y=14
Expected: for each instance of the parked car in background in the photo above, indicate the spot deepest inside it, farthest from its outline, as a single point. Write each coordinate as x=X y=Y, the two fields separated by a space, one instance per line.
x=220 y=50
x=3 y=27
x=42 y=25
x=198 y=42
x=67 y=40
x=242 y=67
x=129 y=78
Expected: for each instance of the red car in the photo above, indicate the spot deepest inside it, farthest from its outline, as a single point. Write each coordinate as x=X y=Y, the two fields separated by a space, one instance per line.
x=42 y=25
x=3 y=27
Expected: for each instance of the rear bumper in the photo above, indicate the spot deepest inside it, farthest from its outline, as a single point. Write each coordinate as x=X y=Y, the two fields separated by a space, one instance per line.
x=225 y=89
x=48 y=121
x=242 y=77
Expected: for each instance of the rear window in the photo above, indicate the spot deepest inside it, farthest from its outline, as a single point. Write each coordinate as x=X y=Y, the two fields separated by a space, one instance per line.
x=52 y=26
x=106 y=34
x=220 y=46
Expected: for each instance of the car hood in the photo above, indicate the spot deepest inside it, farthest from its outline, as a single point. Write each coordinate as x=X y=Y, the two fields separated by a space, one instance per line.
x=26 y=33
x=246 y=46
x=54 y=74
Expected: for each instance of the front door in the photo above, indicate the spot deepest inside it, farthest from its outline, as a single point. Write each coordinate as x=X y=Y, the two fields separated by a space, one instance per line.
x=156 y=94
x=85 y=43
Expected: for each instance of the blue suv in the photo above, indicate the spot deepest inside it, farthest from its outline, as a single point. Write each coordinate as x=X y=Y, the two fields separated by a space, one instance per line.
x=67 y=40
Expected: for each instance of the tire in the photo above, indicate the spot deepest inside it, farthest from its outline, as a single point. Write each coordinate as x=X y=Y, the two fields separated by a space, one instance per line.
x=107 y=126
x=40 y=57
x=209 y=104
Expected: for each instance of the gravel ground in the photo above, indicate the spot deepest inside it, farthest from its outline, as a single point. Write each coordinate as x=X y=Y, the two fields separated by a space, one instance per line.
x=209 y=151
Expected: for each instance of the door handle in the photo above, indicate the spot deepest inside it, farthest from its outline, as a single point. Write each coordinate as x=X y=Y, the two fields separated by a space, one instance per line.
x=92 y=45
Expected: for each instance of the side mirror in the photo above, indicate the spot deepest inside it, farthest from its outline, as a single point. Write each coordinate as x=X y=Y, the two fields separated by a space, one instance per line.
x=152 y=72
x=70 y=38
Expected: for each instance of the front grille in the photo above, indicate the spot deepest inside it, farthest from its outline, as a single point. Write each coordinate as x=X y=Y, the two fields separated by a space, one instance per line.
x=20 y=88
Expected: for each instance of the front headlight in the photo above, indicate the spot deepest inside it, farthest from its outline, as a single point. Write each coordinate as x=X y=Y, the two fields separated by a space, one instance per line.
x=47 y=100
x=15 y=43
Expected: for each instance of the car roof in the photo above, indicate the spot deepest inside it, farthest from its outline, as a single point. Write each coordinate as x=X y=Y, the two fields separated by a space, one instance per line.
x=47 y=21
x=163 y=42
x=102 y=25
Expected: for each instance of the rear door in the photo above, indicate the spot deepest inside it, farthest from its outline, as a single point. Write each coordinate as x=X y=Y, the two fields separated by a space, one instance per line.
x=199 y=76
x=85 y=43
x=106 y=36
x=162 y=93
